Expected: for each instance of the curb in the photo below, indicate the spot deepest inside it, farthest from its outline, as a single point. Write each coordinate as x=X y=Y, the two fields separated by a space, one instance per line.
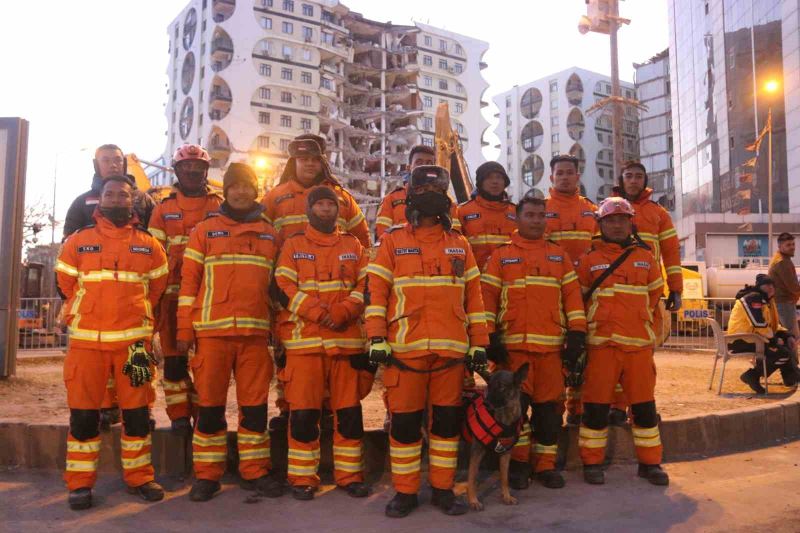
x=43 y=446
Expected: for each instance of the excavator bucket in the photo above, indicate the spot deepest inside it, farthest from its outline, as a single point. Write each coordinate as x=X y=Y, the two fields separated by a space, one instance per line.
x=135 y=169
x=449 y=154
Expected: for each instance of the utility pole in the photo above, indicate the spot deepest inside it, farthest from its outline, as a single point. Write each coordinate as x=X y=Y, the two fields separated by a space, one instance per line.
x=616 y=116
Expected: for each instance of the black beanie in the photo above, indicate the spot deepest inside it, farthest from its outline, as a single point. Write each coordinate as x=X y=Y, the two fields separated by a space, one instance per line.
x=487 y=168
x=239 y=173
x=763 y=279
x=320 y=193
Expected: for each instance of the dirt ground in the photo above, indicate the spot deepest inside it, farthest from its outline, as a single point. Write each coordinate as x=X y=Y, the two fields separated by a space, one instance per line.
x=36 y=394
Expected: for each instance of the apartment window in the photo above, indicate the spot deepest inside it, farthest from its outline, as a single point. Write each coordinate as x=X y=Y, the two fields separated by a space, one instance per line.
x=286 y=121
x=427 y=141
x=265 y=70
x=308 y=10
x=286 y=74
x=427 y=60
x=459 y=107
x=427 y=123
x=554 y=121
x=554 y=103
x=553 y=86
x=306 y=100
x=428 y=40
x=508 y=101
x=459 y=68
x=600 y=170
x=203 y=74
x=308 y=33
x=266 y=48
x=287 y=27
x=305 y=77
x=284 y=145
x=428 y=81
x=459 y=50
x=327 y=38
x=305 y=123
x=266 y=23
x=427 y=101
x=554 y=138
x=325 y=83
x=263 y=142
x=460 y=129
x=263 y=117
x=286 y=97
x=288 y=5
x=266 y=3
x=443 y=64
x=508 y=136
x=459 y=88
x=527 y=143
x=265 y=93
x=443 y=84
x=442 y=45
x=442 y=101
x=287 y=51
x=306 y=54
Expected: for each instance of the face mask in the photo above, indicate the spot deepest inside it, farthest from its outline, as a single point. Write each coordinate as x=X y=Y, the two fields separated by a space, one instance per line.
x=429 y=203
x=119 y=216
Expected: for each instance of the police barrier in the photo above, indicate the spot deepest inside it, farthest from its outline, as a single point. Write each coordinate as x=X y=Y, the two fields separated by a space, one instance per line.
x=39 y=324
x=687 y=329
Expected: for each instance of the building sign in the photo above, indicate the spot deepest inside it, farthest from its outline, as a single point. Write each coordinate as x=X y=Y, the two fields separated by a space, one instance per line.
x=753 y=245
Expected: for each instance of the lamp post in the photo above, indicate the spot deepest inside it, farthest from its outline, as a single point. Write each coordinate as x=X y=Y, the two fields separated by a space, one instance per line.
x=771 y=87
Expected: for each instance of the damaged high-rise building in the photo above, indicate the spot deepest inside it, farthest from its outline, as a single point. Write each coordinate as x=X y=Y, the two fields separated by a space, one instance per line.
x=245 y=77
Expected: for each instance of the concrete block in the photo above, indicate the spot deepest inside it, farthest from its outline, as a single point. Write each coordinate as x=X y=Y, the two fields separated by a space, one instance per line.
x=376 y=453
x=47 y=446
x=731 y=431
x=791 y=419
x=689 y=436
x=773 y=418
x=13 y=444
x=110 y=450
x=172 y=455
x=620 y=448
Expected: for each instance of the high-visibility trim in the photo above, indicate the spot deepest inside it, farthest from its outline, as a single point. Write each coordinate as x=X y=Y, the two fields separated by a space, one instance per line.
x=156 y=273
x=356 y=343
x=89 y=446
x=357 y=295
x=325 y=286
x=675 y=269
x=430 y=344
x=216 y=440
x=401 y=453
x=523 y=441
x=543 y=449
x=176 y=398
x=476 y=318
x=549 y=340
x=442 y=462
x=490 y=317
x=381 y=271
x=177 y=239
x=656 y=284
x=186 y=301
x=428 y=281
x=296 y=301
x=259 y=453
x=66 y=268
x=110 y=336
x=209 y=457
x=472 y=273
x=621 y=339
x=301 y=470
x=158 y=234
x=345 y=466
x=303 y=455
x=406 y=468
x=570 y=235
x=569 y=277
x=375 y=311
x=247 y=438
x=194 y=255
x=135 y=445
x=115 y=275
x=592 y=438
x=491 y=280
x=347 y=451
x=444 y=445
x=487 y=239
x=280 y=222
x=668 y=233
x=82 y=466
x=286 y=272
x=383 y=221
x=173 y=288
x=239 y=259
x=527 y=281
x=136 y=462
x=576 y=315
x=355 y=221
x=646 y=437
x=173 y=386
x=231 y=322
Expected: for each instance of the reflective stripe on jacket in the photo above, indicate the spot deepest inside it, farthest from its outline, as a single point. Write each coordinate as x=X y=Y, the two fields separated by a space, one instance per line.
x=570 y=222
x=754 y=313
x=486 y=225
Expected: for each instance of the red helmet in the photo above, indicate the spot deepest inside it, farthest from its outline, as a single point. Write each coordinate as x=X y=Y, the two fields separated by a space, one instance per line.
x=614 y=205
x=189 y=152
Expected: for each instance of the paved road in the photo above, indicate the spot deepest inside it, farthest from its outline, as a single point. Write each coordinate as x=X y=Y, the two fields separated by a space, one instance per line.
x=752 y=491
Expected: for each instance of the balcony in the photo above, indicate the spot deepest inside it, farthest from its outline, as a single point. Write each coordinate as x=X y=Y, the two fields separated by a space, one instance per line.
x=221 y=10
x=221 y=50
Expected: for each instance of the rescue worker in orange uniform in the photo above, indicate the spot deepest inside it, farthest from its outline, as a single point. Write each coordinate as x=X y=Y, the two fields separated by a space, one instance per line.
x=425 y=315
x=223 y=306
x=113 y=274
x=488 y=219
x=533 y=306
x=622 y=284
x=173 y=219
x=392 y=211
x=321 y=276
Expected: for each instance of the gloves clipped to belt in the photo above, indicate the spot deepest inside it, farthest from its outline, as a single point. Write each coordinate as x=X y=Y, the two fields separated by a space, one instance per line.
x=496 y=352
x=379 y=351
x=573 y=357
x=137 y=367
x=476 y=360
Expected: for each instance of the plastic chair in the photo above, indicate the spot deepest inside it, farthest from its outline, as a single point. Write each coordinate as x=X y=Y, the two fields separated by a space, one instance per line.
x=725 y=354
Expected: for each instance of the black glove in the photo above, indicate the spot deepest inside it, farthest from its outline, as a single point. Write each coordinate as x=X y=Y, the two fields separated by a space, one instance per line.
x=280 y=356
x=575 y=346
x=496 y=352
x=575 y=378
x=137 y=367
x=379 y=351
x=360 y=361
x=476 y=359
x=673 y=301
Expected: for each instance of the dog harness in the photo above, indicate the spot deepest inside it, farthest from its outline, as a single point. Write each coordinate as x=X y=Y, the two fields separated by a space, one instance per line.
x=481 y=425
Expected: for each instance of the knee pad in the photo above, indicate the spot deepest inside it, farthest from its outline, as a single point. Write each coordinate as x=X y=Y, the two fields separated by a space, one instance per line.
x=446 y=421
x=136 y=421
x=211 y=420
x=350 y=422
x=644 y=414
x=546 y=423
x=84 y=424
x=407 y=427
x=176 y=368
x=595 y=415
x=254 y=418
x=304 y=424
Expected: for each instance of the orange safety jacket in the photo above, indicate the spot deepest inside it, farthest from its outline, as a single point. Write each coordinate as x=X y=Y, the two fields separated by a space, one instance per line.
x=620 y=310
x=113 y=278
x=392 y=212
x=425 y=294
x=531 y=294
x=654 y=226
x=172 y=221
x=286 y=209
x=316 y=269
x=570 y=222
x=486 y=225
x=225 y=279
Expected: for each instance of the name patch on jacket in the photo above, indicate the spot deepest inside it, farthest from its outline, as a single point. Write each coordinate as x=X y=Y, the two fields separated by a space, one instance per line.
x=641 y=264
x=556 y=258
x=141 y=250
x=279 y=199
x=304 y=255
x=599 y=267
x=551 y=214
x=510 y=261
x=511 y=216
x=266 y=237
x=348 y=257
x=406 y=251
x=217 y=233
x=398 y=202
x=89 y=249
x=587 y=214
x=212 y=214
x=172 y=216
x=454 y=251
x=472 y=216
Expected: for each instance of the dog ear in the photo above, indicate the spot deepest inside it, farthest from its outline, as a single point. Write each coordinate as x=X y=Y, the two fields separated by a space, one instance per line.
x=521 y=374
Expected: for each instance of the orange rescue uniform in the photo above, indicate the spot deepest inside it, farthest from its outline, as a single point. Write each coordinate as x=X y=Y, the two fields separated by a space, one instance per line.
x=224 y=303
x=171 y=222
x=113 y=278
x=620 y=346
x=392 y=212
x=318 y=272
x=425 y=299
x=486 y=225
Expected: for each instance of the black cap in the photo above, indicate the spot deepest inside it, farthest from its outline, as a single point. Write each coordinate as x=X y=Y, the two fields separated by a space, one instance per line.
x=320 y=193
x=487 y=168
x=763 y=279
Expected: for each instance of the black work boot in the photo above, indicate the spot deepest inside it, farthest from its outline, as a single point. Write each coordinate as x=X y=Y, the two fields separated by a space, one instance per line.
x=789 y=376
x=401 y=505
x=617 y=417
x=654 y=474
x=203 y=490
x=109 y=417
x=80 y=499
x=355 y=489
x=181 y=427
x=753 y=379
x=552 y=479
x=303 y=492
x=519 y=474
x=445 y=500
x=268 y=486
x=594 y=475
x=149 y=492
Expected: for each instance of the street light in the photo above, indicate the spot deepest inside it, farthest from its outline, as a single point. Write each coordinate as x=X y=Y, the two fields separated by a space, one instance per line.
x=770 y=87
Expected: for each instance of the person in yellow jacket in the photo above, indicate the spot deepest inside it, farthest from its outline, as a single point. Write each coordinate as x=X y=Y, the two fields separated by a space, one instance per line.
x=755 y=312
